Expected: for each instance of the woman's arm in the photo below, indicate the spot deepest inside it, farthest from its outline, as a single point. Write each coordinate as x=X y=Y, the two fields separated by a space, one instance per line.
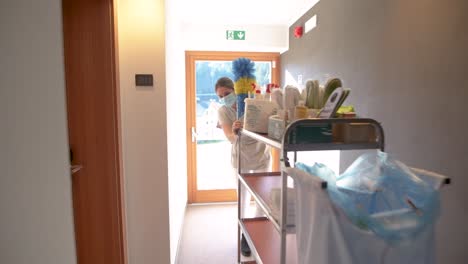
x=231 y=131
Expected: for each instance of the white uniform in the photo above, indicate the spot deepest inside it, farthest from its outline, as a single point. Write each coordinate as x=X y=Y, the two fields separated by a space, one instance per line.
x=255 y=157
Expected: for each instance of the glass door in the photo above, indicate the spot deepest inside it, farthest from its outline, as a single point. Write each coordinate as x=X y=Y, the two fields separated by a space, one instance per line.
x=211 y=176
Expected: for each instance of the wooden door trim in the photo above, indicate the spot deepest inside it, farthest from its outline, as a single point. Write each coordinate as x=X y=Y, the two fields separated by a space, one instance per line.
x=200 y=196
x=104 y=14
x=120 y=188
x=213 y=196
x=191 y=148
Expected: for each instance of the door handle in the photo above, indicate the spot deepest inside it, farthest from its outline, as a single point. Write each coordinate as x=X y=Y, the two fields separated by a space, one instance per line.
x=75 y=168
x=194 y=135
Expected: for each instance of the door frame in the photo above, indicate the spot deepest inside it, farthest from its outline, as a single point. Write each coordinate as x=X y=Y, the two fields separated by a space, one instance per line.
x=206 y=196
x=74 y=21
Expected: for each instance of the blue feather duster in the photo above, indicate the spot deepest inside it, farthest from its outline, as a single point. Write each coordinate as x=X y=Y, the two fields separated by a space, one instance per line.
x=243 y=68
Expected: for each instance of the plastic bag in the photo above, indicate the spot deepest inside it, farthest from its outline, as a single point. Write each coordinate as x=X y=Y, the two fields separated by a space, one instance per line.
x=383 y=195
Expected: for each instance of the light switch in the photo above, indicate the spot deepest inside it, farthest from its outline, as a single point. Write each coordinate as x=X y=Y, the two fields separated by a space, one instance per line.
x=144 y=79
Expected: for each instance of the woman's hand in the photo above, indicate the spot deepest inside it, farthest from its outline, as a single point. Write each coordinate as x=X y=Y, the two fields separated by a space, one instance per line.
x=236 y=126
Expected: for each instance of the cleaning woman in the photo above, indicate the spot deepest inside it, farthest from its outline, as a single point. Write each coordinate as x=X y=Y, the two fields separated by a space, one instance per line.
x=255 y=156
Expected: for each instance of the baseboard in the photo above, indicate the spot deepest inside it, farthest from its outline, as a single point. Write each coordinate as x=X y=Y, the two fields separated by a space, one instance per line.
x=176 y=259
x=213 y=203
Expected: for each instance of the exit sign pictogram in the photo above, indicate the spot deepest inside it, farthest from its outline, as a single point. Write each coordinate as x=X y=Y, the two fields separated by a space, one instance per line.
x=235 y=34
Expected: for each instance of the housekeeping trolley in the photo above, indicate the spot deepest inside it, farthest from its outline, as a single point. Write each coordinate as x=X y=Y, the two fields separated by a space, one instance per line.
x=271 y=241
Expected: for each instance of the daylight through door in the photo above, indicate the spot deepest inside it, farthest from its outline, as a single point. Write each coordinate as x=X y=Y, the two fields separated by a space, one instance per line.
x=210 y=174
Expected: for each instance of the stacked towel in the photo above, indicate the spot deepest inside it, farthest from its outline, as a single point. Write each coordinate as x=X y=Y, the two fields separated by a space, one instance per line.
x=275 y=197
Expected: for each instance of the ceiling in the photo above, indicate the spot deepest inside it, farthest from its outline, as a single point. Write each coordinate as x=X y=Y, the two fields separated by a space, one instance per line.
x=243 y=12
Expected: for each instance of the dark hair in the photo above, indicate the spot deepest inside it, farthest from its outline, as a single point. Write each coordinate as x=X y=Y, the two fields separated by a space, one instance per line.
x=224 y=82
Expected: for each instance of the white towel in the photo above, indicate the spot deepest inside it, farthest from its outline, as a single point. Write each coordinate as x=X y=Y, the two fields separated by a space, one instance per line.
x=275 y=201
x=292 y=97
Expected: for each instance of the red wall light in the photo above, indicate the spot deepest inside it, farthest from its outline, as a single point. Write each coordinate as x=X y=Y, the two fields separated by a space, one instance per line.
x=298 y=31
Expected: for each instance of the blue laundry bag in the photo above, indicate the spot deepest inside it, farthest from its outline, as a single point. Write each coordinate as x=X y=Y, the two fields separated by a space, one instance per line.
x=383 y=195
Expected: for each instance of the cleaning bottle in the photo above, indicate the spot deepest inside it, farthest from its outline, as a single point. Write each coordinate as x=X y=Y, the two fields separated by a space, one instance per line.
x=301 y=111
x=258 y=94
x=267 y=93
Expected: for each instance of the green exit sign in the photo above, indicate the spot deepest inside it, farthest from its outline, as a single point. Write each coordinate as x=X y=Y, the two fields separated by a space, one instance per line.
x=235 y=34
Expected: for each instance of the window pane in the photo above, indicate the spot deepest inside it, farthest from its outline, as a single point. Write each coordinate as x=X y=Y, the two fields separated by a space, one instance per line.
x=214 y=170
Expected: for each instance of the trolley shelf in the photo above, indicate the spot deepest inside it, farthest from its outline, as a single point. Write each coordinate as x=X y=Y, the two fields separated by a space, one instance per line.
x=263 y=138
x=335 y=145
x=260 y=186
x=272 y=241
x=310 y=147
x=331 y=146
x=265 y=241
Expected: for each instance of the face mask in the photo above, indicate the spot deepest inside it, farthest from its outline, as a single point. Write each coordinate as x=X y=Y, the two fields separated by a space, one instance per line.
x=228 y=100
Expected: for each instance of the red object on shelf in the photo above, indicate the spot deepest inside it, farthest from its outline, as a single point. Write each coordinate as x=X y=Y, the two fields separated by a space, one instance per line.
x=298 y=31
x=270 y=86
x=253 y=86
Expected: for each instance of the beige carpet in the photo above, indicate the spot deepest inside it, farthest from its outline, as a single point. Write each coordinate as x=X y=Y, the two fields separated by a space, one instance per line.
x=209 y=235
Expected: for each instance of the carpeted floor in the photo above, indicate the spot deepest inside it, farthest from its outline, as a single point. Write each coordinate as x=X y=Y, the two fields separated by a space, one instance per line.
x=209 y=235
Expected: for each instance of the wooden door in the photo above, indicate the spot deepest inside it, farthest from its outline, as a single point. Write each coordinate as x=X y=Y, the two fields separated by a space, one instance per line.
x=210 y=174
x=93 y=123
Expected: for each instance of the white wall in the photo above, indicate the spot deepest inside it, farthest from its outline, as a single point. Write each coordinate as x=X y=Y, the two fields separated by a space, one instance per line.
x=212 y=37
x=406 y=63
x=176 y=128
x=180 y=37
x=141 y=40
x=36 y=222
